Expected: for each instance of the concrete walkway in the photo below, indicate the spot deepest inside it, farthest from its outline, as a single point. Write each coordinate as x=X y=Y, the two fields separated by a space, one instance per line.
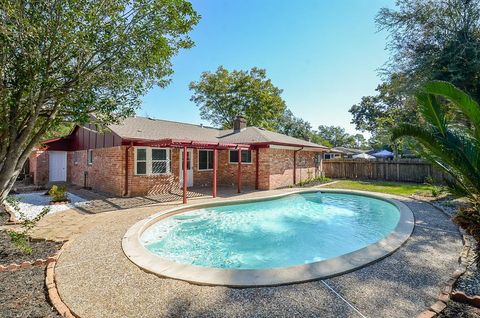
x=95 y=279
x=68 y=224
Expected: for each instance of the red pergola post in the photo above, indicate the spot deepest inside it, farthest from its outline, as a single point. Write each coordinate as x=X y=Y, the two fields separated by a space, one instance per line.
x=184 y=174
x=256 y=168
x=214 y=190
x=294 y=167
x=239 y=172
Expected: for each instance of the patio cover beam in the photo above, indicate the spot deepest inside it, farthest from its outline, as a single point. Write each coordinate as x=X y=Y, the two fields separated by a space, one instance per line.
x=180 y=143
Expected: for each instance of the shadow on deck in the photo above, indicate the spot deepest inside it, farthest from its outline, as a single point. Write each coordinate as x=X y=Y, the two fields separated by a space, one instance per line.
x=98 y=202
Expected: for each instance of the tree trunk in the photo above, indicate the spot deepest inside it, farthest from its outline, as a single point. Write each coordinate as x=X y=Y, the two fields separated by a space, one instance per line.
x=10 y=170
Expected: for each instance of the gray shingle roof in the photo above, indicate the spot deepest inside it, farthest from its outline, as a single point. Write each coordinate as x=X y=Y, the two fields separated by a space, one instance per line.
x=251 y=135
x=156 y=129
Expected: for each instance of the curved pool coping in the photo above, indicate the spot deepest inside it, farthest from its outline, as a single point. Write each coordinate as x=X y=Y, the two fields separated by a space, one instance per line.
x=142 y=257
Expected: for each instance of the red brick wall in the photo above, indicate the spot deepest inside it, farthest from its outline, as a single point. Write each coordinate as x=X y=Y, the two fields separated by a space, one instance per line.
x=281 y=168
x=150 y=185
x=280 y=172
x=227 y=172
x=105 y=174
x=202 y=178
x=306 y=166
x=39 y=167
x=226 y=175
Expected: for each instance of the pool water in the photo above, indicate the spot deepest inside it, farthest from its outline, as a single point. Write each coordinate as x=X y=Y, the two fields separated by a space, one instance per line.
x=292 y=230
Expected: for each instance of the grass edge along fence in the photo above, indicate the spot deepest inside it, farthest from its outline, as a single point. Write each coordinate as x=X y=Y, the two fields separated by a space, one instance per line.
x=401 y=170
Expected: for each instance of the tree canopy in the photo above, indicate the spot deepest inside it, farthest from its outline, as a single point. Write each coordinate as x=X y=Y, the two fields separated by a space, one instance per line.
x=453 y=148
x=294 y=126
x=63 y=61
x=224 y=94
x=428 y=40
x=336 y=136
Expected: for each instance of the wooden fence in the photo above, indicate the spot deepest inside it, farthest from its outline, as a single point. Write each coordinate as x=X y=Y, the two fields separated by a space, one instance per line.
x=403 y=170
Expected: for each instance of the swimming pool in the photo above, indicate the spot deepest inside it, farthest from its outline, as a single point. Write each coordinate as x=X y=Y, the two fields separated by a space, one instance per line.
x=293 y=230
x=337 y=230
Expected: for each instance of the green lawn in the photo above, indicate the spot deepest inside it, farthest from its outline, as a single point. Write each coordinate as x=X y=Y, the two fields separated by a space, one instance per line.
x=397 y=188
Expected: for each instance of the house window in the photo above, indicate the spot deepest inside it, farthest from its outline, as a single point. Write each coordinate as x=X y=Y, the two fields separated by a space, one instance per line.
x=205 y=159
x=75 y=157
x=141 y=161
x=160 y=161
x=331 y=156
x=246 y=156
x=90 y=156
x=152 y=161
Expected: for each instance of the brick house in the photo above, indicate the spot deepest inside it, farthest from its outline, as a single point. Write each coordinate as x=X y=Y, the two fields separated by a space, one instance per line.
x=144 y=156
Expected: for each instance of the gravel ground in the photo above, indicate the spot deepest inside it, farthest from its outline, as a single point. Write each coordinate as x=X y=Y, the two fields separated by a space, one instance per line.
x=469 y=282
x=401 y=285
x=9 y=253
x=31 y=204
x=459 y=310
x=23 y=294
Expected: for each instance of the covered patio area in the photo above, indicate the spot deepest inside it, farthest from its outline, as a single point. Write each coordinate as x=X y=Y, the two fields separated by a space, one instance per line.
x=186 y=145
x=98 y=202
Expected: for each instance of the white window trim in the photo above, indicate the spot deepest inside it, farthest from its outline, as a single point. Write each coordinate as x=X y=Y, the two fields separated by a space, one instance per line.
x=88 y=157
x=135 y=161
x=149 y=161
x=243 y=163
x=198 y=159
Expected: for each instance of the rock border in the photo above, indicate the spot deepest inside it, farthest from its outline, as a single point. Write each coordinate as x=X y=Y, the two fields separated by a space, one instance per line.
x=447 y=290
x=27 y=264
x=53 y=294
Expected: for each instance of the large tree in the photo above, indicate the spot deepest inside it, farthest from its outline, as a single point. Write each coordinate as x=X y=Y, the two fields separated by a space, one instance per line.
x=428 y=40
x=64 y=61
x=224 y=94
x=336 y=136
x=294 y=126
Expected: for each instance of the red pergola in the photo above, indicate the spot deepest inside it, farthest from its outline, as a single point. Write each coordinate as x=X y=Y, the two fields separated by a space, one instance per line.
x=188 y=144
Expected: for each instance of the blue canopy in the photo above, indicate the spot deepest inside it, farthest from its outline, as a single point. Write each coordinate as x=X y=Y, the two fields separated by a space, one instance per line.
x=383 y=154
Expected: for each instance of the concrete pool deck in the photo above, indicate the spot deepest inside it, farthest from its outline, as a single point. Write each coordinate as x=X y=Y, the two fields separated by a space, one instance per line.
x=95 y=279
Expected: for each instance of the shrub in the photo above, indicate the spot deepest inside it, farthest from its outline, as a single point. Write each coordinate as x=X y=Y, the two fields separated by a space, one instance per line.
x=58 y=193
x=309 y=181
x=434 y=188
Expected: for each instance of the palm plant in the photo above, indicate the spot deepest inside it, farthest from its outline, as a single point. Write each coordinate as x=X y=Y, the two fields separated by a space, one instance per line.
x=452 y=145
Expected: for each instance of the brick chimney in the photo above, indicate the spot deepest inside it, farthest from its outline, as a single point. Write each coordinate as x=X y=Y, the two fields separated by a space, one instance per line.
x=239 y=123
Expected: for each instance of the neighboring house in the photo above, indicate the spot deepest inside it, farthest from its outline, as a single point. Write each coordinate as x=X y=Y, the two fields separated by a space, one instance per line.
x=343 y=153
x=332 y=155
x=144 y=156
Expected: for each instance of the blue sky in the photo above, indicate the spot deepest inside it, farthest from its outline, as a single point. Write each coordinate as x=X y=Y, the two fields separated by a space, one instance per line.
x=325 y=55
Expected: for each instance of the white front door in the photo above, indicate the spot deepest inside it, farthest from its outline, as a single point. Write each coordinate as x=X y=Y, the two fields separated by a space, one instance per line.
x=57 y=166
x=189 y=168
